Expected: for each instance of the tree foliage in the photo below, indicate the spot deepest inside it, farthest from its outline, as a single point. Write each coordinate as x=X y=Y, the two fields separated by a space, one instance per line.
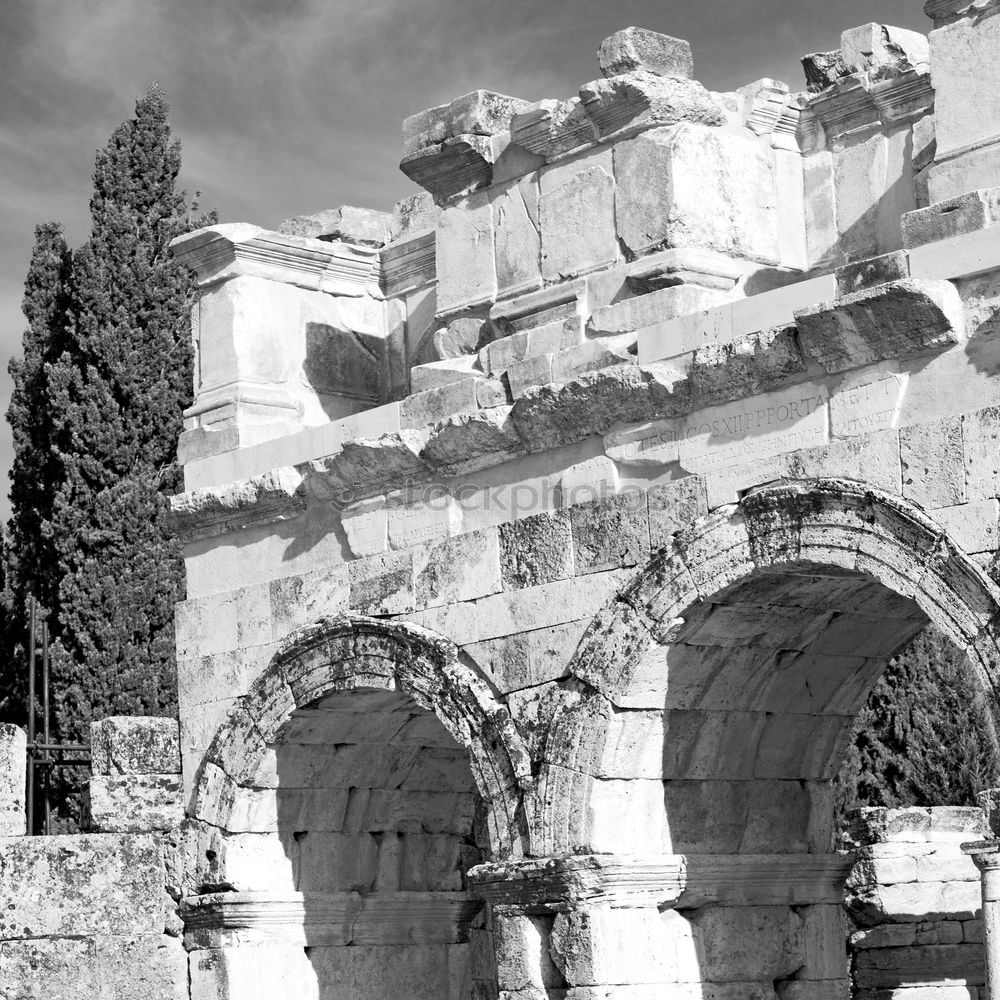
x=926 y=736
x=96 y=413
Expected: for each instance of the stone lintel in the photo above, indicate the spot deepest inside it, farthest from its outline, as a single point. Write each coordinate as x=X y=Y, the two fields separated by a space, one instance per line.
x=327 y=919
x=205 y=513
x=676 y=881
x=219 y=253
x=855 y=102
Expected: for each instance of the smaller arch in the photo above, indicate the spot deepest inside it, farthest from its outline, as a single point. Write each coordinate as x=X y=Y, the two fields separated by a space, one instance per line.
x=836 y=526
x=349 y=652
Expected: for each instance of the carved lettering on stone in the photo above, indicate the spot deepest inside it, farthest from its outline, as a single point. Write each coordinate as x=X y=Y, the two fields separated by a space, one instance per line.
x=870 y=405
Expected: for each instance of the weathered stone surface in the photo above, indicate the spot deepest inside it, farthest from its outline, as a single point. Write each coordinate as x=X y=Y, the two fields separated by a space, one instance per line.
x=823 y=69
x=873 y=271
x=633 y=314
x=366 y=468
x=13 y=749
x=966 y=213
x=879 y=51
x=413 y=215
x=205 y=513
x=71 y=886
x=641 y=49
x=135 y=745
x=892 y=320
x=435 y=374
x=674 y=506
x=625 y=105
x=517 y=238
x=610 y=533
x=451 y=168
x=933 y=464
x=693 y=186
x=466 y=269
x=553 y=128
x=463 y=568
x=536 y=550
x=363 y=226
x=135 y=803
x=420 y=409
x=467 y=442
x=576 y=216
x=482 y=112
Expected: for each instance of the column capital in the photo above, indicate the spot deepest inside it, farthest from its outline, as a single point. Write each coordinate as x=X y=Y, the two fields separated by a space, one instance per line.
x=985 y=854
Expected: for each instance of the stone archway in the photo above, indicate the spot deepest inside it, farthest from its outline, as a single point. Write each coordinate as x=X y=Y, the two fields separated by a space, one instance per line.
x=684 y=795
x=347 y=794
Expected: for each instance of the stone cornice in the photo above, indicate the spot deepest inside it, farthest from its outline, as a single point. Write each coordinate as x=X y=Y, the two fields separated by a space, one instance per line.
x=324 y=919
x=408 y=264
x=218 y=253
x=205 y=513
x=677 y=880
x=855 y=102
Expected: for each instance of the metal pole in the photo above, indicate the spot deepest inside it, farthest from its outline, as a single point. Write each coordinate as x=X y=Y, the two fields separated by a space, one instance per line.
x=32 y=613
x=45 y=722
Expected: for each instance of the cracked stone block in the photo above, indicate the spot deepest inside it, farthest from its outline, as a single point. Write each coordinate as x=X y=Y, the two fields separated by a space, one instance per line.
x=576 y=215
x=364 y=226
x=517 y=237
x=880 y=51
x=466 y=267
x=467 y=442
x=382 y=584
x=135 y=745
x=622 y=106
x=639 y=48
x=463 y=568
x=692 y=186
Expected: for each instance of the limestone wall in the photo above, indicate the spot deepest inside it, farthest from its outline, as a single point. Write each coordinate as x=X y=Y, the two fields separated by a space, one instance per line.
x=915 y=903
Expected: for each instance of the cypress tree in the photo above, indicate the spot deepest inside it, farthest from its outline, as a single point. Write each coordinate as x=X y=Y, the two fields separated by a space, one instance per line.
x=115 y=386
x=926 y=735
x=29 y=556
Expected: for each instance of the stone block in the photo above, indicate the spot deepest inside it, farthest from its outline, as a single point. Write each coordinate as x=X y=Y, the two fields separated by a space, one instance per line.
x=749 y=942
x=536 y=550
x=549 y=604
x=624 y=105
x=873 y=458
x=382 y=584
x=674 y=506
x=880 y=51
x=464 y=568
x=972 y=526
x=610 y=533
x=502 y=354
x=970 y=212
x=521 y=947
x=135 y=803
x=824 y=69
x=481 y=112
x=412 y=215
x=517 y=240
x=428 y=407
x=633 y=314
x=528 y=374
x=919 y=966
x=466 y=265
x=13 y=754
x=576 y=216
x=981 y=442
x=933 y=463
x=515 y=662
x=695 y=186
x=135 y=745
x=553 y=129
x=627 y=817
x=436 y=374
x=873 y=271
x=81 y=885
x=641 y=49
x=593 y=355
x=363 y=226
x=889 y=321
x=466 y=443
x=412 y=522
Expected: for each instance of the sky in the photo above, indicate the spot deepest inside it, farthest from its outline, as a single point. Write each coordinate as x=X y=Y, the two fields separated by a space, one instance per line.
x=287 y=107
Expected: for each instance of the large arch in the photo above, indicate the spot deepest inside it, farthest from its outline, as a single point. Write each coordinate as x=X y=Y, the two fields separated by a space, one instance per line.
x=337 y=812
x=351 y=652
x=838 y=554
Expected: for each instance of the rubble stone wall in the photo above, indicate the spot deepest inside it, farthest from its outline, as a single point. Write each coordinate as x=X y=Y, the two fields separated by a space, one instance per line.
x=94 y=915
x=916 y=906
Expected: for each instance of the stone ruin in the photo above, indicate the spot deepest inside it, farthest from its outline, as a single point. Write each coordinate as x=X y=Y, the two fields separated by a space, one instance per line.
x=543 y=540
